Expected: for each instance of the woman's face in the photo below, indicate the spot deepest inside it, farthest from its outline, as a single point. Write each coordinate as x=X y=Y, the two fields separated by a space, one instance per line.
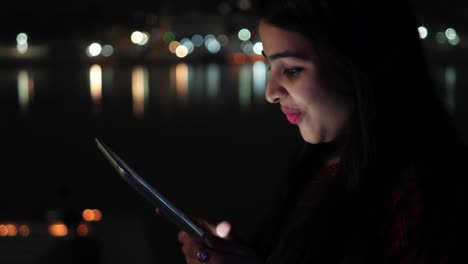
x=295 y=84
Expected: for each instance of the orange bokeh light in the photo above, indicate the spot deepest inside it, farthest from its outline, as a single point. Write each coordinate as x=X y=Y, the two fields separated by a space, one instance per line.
x=58 y=229
x=24 y=230
x=97 y=215
x=3 y=230
x=88 y=215
x=12 y=230
x=82 y=230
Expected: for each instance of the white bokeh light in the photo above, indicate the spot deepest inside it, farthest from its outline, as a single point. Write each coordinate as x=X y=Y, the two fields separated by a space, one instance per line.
x=258 y=48
x=94 y=49
x=244 y=34
x=212 y=45
x=450 y=33
x=22 y=38
x=423 y=32
x=137 y=37
x=181 y=51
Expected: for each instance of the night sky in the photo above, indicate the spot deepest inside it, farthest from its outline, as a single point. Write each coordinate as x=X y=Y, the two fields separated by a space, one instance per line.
x=81 y=15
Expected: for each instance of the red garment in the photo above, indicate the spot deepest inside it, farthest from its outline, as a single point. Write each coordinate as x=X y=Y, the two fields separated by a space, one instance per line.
x=402 y=230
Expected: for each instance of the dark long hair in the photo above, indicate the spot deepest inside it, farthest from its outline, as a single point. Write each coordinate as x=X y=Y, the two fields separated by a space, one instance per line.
x=372 y=47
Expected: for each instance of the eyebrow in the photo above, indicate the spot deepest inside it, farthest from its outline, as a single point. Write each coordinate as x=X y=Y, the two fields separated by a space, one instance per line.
x=285 y=54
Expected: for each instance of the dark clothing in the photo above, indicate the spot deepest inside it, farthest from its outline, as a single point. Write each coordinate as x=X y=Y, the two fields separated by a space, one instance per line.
x=426 y=225
x=417 y=221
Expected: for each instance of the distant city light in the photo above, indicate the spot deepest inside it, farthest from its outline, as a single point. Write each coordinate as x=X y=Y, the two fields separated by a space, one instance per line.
x=12 y=230
x=244 y=34
x=452 y=36
x=454 y=41
x=91 y=215
x=139 y=38
x=212 y=45
x=107 y=50
x=258 y=48
x=197 y=40
x=422 y=32
x=173 y=46
x=82 y=230
x=209 y=37
x=24 y=230
x=136 y=37
x=168 y=37
x=3 y=230
x=450 y=33
x=22 y=38
x=247 y=47
x=188 y=44
x=181 y=51
x=97 y=214
x=22 y=43
x=58 y=229
x=94 y=49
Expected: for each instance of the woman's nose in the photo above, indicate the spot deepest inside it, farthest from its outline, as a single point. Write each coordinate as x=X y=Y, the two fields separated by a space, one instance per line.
x=274 y=92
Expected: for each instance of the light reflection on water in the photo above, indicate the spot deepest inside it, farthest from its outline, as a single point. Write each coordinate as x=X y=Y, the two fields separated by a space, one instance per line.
x=150 y=88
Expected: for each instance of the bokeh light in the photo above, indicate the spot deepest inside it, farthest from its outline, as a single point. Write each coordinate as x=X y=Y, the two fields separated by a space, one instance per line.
x=188 y=44
x=107 y=50
x=244 y=34
x=173 y=46
x=212 y=45
x=22 y=38
x=82 y=230
x=258 y=48
x=181 y=51
x=58 y=229
x=24 y=230
x=94 y=49
x=423 y=32
x=197 y=40
x=168 y=37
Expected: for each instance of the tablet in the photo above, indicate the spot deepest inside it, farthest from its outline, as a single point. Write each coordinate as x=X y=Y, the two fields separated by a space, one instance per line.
x=151 y=194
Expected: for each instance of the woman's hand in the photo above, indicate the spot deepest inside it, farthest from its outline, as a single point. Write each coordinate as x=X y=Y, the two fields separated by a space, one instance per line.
x=218 y=247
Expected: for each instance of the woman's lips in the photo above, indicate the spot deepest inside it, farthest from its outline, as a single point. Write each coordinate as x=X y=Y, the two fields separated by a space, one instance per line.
x=293 y=116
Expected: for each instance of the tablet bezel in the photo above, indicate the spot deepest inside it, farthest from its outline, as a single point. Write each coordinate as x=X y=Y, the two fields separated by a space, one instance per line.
x=151 y=194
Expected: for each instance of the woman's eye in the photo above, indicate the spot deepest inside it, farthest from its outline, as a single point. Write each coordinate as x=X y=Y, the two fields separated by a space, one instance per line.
x=292 y=71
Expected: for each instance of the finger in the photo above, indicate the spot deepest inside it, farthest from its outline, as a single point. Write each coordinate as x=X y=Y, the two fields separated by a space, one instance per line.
x=223 y=229
x=190 y=248
x=181 y=236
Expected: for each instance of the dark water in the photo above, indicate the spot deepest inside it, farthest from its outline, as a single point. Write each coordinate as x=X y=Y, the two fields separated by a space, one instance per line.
x=201 y=133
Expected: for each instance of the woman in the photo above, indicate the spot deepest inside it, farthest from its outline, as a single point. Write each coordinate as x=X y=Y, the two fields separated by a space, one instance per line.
x=330 y=64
